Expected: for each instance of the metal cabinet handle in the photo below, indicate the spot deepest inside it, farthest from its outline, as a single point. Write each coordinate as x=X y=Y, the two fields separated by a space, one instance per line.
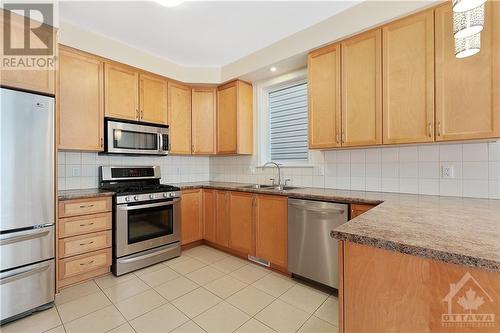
x=23 y=274
x=87 y=263
x=137 y=114
x=87 y=206
x=102 y=142
x=430 y=129
x=86 y=224
x=142 y=114
x=439 y=128
x=343 y=137
x=89 y=243
x=337 y=138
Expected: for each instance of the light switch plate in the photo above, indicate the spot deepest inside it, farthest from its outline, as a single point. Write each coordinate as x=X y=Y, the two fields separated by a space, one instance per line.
x=75 y=172
x=447 y=172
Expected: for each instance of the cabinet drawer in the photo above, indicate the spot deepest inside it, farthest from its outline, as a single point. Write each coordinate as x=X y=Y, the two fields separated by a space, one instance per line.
x=84 y=206
x=84 y=263
x=79 y=225
x=81 y=244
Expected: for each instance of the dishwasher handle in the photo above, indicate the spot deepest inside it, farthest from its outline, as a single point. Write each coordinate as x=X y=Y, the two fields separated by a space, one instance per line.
x=324 y=208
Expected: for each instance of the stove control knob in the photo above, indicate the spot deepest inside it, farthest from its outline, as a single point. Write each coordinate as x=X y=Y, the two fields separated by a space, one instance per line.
x=171 y=194
x=127 y=199
x=151 y=196
x=136 y=197
x=165 y=195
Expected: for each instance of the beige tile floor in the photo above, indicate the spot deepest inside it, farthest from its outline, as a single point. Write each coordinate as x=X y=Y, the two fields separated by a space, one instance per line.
x=204 y=290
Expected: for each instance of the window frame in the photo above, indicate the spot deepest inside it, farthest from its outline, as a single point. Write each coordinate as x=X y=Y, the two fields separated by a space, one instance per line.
x=263 y=139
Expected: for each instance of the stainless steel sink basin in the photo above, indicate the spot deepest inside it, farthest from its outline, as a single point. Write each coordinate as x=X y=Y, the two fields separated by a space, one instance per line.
x=258 y=186
x=285 y=188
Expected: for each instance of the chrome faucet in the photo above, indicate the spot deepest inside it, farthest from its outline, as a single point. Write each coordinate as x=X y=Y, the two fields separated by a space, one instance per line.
x=279 y=171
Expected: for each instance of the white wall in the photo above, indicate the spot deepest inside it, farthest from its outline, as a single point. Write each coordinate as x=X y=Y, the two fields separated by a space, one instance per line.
x=77 y=170
x=405 y=169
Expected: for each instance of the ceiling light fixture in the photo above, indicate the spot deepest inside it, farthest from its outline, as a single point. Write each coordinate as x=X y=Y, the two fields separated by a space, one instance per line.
x=465 y=5
x=468 y=23
x=273 y=69
x=169 y=3
x=465 y=47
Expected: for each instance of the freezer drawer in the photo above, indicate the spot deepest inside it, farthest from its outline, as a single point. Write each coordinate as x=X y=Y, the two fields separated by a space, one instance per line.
x=25 y=247
x=26 y=288
x=312 y=253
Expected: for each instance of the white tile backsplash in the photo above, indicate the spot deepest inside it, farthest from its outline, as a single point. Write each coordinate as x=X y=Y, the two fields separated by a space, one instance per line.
x=406 y=169
x=78 y=170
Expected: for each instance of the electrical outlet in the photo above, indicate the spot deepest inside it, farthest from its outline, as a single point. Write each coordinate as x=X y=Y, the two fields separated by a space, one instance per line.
x=252 y=170
x=75 y=171
x=447 y=172
x=321 y=170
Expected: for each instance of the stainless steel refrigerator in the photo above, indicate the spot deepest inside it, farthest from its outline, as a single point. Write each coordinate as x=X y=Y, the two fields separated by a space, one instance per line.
x=27 y=278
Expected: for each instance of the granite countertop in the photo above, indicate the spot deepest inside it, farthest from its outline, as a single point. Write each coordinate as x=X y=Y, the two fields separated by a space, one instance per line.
x=462 y=231
x=83 y=193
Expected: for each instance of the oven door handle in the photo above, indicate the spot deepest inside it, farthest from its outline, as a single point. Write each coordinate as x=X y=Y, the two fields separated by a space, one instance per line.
x=151 y=205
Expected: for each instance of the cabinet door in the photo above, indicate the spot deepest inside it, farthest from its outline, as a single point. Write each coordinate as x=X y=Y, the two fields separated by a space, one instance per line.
x=468 y=89
x=408 y=79
x=179 y=118
x=241 y=222
x=203 y=123
x=323 y=68
x=362 y=90
x=244 y=113
x=226 y=119
x=191 y=216
x=209 y=216
x=271 y=228
x=121 y=91
x=38 y=81
x=153 y=98
x=80 y=101
x=221 y=216
x=358 y=209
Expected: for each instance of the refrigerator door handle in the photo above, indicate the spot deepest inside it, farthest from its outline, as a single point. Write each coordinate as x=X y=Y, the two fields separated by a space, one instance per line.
x=16 y=275
x=23 y=236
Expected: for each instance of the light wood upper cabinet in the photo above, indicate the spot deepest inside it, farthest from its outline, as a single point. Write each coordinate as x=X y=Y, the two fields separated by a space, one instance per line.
x=222 y=218
x=468 y=89
x=203 y=112
x=80 y=101
x=271 y=229
x=323 y=68
x=38 y=81
x=362 y=90
x=408 y=79
x=242 y=222
x=121 y=91
x=209 y=216
x=179 y=118
x=153 y=98
x=191 y=216
x=235 y=118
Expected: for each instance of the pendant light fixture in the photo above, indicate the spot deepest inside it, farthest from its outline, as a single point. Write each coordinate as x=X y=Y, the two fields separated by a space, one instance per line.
x=465 y=5
x=468 y=46
x=468 y=23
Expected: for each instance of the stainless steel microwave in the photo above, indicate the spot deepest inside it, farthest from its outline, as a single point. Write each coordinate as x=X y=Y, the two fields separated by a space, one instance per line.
x=127 y=137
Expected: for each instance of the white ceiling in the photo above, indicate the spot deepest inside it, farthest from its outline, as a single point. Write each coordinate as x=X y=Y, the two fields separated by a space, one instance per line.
x=199 y=34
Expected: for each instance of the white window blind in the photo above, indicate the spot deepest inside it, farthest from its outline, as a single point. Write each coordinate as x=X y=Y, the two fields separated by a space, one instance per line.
x=288 y=123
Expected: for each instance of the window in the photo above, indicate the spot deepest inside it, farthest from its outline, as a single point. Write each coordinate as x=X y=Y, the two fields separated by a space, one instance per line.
x=288 y=123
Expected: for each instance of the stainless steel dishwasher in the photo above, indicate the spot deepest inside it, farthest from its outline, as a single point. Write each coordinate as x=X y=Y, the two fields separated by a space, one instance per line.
x=312 y=253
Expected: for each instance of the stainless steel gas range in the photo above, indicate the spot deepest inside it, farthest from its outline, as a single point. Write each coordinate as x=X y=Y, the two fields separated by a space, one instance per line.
x=146 y=217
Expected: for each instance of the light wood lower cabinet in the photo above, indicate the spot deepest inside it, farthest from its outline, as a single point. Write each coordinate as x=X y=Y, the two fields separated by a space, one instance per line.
x=468 y=89
x=209 y=216
x=242 y=222
x=83 y=239
x=358 y=209
x=80 y=101
x=222 y=218
x=408 y=79
x=271 y=229
x=387 y=291
x=191 y=216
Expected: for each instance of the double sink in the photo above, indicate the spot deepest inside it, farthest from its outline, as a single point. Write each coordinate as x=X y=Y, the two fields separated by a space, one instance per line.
x=269 y=187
